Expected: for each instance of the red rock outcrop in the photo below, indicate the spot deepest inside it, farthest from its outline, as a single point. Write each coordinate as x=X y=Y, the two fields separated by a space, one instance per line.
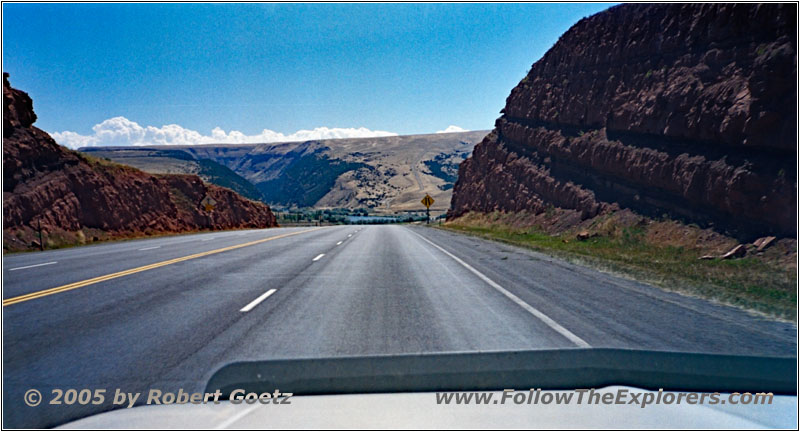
x=68 y=192
x=680 y=109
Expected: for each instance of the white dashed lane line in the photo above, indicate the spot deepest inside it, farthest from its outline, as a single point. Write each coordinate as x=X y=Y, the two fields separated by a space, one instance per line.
x=255 y=302
x=32 y=266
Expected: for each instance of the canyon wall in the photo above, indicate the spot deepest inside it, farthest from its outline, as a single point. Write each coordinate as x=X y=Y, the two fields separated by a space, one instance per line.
x=67 y=192
x=679 y=110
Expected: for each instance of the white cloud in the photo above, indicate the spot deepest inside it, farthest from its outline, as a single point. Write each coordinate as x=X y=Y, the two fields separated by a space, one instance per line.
x=453 y=128
x=119 y=131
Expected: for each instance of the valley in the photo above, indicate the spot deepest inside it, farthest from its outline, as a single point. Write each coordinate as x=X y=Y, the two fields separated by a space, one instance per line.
x=385 y=174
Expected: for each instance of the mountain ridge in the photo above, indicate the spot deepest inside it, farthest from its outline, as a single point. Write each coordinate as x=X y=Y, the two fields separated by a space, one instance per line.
x=383 y=173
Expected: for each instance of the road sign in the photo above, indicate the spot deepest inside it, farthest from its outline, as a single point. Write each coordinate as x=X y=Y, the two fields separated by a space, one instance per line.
x=427 y=202
x=208 y=203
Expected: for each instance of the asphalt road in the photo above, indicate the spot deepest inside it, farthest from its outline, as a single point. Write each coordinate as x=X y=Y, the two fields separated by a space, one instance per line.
x=167 y=312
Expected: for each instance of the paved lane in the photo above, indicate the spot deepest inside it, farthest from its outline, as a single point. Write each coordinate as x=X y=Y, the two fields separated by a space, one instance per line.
x=346 y=290
x=609 y=311
x=28 y=272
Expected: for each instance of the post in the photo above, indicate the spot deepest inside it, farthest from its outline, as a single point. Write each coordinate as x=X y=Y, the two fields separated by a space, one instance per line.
x=39 y=223
x=428 y=215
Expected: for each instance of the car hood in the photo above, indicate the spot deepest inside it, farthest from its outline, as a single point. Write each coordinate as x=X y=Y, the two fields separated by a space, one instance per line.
x=420 y=411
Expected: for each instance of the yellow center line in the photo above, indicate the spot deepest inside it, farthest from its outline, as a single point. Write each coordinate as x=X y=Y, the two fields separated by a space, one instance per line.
x=76 y=285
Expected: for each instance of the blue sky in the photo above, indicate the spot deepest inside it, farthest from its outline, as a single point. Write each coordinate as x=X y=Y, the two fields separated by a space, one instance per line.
x=402 y=68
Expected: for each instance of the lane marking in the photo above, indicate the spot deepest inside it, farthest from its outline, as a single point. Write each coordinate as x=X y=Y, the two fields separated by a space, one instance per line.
x=337 y=244
x=349 y=235
x=32 y=266
x=255 y=302
x=532 y=310
x=318 y=257
x=75 y=285
x=149 y=248
x=240 y=415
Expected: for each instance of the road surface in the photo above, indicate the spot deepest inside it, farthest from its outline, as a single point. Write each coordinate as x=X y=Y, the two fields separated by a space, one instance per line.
x=167 y=312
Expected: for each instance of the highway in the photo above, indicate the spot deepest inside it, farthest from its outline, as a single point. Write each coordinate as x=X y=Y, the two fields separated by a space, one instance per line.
x=168 y=312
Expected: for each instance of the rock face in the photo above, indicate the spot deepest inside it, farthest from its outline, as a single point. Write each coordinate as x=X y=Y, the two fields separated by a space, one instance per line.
x=679 y=109
x=67 y=192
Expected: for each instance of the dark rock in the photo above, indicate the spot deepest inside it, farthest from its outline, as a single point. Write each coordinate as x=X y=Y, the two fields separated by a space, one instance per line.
x=685 y=110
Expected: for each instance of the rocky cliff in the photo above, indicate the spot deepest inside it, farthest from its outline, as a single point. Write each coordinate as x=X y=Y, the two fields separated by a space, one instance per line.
x=76 y=198
x=683 y=110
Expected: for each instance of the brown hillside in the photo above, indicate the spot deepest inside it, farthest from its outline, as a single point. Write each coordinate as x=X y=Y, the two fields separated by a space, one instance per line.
x=78 y=199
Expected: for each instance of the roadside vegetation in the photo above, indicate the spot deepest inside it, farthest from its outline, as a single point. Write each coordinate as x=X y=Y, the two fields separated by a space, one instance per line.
x=663 y=253
x=339 y=216
x=306 y=180
x=221 y=175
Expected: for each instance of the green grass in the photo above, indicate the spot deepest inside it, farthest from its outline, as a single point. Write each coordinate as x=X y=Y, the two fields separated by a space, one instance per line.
x=221 y=175
x=443 y=170
x=749 y=282
x=306 y=180
x=105 y=164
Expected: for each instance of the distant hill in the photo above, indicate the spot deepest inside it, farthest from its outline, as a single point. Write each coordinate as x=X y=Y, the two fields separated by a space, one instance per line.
x=386 y=173
x=78 y=199
x=170 y=161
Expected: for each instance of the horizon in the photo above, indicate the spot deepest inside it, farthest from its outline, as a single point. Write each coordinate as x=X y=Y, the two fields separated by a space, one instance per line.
x=176 y=74
x=244 y=144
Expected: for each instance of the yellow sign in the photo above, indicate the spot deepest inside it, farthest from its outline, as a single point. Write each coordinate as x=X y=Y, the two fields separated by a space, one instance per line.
x=427 y=201
x=208 y=203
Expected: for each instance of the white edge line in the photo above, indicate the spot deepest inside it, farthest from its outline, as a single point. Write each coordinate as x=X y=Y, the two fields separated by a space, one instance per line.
x=255 y=302
x=318 y=257
x=35 y=265
x=149 y=248
x=337 y=244
x=532 y=310
x=237 y=417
